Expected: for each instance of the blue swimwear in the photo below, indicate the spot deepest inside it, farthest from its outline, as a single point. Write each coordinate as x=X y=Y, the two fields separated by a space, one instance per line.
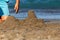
x=4 y=0
x=4 y=8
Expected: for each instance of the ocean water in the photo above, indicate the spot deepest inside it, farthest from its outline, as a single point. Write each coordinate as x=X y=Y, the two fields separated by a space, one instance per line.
x=41 y=4
x=40 y=14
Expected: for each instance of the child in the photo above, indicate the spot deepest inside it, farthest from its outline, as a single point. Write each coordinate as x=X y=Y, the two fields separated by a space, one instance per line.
x=4 y=8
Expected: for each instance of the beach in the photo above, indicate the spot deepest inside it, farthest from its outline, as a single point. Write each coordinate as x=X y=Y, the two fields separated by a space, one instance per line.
x=30 y=28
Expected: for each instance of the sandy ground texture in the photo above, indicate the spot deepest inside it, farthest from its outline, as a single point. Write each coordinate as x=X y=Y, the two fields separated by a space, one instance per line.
x=29 y=29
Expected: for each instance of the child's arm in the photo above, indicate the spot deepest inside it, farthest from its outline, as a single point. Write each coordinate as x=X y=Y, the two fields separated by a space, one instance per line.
x=17 y=5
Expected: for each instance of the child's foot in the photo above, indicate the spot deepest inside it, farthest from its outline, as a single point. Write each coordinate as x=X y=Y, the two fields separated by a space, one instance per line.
x=3 y=18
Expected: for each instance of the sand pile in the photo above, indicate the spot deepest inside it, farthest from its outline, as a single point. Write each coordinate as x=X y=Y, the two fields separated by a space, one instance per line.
x=31 y=20
x=10 y=23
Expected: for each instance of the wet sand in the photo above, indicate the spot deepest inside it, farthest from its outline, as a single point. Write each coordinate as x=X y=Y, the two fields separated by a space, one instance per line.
x=30 y=28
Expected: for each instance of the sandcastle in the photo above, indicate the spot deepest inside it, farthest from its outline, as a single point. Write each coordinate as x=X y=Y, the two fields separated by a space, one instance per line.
x=32 y=20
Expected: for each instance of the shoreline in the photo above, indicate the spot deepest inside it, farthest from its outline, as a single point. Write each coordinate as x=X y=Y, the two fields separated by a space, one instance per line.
x=38 y=10
x=40 y=14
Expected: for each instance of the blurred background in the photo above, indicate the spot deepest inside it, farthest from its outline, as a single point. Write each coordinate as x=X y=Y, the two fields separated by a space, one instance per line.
x=45 y=9
x=37 y=4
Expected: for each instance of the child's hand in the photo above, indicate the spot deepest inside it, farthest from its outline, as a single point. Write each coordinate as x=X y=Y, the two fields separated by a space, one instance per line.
x=16 y=8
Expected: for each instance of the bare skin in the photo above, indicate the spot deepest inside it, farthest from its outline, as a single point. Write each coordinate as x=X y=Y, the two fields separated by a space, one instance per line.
x=16 y=8
x=3 y=18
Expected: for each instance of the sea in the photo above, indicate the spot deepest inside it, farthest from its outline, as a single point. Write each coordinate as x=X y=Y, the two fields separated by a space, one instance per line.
x=46 y=14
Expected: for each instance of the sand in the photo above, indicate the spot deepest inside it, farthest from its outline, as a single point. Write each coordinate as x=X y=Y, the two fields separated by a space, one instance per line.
x=30 y=28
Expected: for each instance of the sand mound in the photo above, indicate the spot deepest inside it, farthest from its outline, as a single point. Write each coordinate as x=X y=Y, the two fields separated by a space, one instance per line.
x=10 y=23
x=31 y=20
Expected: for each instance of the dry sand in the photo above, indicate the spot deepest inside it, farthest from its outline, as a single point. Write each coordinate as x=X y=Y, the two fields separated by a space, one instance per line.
x=29 y=29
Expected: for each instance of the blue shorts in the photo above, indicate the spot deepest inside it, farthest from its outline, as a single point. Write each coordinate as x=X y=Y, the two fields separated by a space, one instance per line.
x=4 y=9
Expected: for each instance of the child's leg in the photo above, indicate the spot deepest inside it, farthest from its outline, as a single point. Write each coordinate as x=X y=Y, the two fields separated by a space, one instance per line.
x=5 y=10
